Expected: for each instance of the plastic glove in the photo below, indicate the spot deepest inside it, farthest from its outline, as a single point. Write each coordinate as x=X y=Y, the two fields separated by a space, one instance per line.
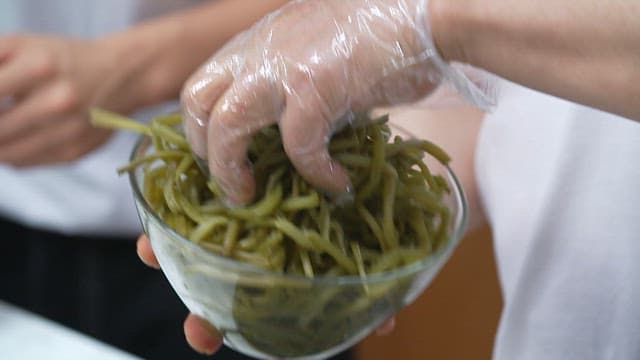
x=306 y=67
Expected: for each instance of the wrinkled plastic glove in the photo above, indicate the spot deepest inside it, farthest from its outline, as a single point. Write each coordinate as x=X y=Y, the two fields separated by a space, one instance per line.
x=307 y=67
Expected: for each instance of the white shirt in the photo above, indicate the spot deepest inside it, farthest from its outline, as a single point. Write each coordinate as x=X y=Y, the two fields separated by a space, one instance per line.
x=561 y=187
x=86 y=196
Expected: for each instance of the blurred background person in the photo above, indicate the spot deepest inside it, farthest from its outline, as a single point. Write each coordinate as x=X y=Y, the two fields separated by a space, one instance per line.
x=67 y=220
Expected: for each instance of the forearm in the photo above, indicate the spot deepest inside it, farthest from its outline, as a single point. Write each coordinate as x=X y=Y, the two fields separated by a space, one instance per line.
x=584 y=51
x=156 y=57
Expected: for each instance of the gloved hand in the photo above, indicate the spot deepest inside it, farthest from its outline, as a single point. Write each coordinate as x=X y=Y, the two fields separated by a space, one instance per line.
x=306 y=67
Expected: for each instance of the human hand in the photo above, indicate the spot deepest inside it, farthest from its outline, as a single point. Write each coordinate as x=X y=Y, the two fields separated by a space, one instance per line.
x=306 y=67
x=48 y=84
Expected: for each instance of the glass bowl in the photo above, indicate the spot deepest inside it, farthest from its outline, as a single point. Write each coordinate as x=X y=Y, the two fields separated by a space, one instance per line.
x=268 y=315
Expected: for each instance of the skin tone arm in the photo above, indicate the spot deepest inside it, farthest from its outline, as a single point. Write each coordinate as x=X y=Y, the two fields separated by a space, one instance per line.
x=48 y=83
x=368 y=53
x=585 y=51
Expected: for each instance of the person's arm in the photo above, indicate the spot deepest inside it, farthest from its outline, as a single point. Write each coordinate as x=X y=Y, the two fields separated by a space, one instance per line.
x=157 y=56
x=585 y=51
x=48 y=83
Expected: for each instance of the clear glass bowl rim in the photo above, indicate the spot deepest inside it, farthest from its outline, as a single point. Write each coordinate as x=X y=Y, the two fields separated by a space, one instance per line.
x=300 y=280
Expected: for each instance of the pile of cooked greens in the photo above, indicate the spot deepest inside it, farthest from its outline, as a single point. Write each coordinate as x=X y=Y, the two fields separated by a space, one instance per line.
x=396 y=218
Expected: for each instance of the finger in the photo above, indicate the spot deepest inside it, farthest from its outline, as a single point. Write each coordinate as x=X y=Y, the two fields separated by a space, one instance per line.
x=50 y=101
x=145 y=252
x=201 y=336
x=247 y=107
x=198 y=97
x=306 y=131
x=87 y=140
x=57 y=140
x=23 y=71
x=8 y=45
x=35 y=145
x=387 y=327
